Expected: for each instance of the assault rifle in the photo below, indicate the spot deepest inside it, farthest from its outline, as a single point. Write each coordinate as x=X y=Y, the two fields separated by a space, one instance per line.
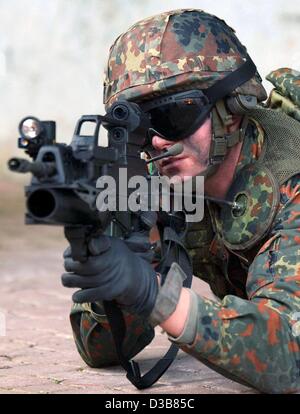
x=63 y=186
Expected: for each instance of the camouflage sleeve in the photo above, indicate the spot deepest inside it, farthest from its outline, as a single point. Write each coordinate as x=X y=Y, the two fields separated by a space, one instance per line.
x=93 y=336
x=256 y=341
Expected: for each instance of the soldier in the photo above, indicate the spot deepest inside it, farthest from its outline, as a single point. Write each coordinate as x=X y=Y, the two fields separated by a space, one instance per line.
x=250 y=260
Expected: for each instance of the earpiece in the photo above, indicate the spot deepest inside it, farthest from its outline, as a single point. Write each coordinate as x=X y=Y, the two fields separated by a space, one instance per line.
x=241 y=104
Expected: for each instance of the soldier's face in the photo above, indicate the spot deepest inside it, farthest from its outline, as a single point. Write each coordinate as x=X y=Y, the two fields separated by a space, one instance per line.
x=195 y=155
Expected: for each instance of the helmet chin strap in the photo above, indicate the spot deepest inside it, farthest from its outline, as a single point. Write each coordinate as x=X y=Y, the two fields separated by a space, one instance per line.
x=222 y=141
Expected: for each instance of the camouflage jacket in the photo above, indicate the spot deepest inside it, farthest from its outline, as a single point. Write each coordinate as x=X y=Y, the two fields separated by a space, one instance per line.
x=251 y=335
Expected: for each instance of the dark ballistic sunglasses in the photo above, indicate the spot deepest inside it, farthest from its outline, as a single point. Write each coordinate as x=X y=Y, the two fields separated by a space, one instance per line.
x=178 y=115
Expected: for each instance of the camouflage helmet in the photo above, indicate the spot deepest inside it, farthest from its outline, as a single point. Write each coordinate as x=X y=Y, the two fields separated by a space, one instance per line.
x=174 y=51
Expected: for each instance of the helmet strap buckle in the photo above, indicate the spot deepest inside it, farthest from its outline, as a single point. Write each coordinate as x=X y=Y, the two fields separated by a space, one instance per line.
x=221 y=140
x=218 y=149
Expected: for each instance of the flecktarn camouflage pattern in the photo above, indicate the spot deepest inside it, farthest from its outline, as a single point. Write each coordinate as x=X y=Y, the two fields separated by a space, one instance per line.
x=94 y=339
x=255 y=340
x=177 y=50
x=252 y=335
x=287 y=82
x=256 y=193
x=286 y=95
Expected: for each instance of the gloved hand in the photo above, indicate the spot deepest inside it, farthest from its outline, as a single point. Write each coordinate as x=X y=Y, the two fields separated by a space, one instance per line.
x=112 y=272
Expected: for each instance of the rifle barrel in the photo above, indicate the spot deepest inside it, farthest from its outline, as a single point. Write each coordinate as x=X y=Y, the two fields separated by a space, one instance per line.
x=37 y=168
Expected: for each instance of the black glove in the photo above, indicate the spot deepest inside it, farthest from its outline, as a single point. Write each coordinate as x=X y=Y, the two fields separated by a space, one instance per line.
x=112 y=272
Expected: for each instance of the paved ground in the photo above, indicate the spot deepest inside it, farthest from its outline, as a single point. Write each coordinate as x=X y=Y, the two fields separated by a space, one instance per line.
x=38 y=354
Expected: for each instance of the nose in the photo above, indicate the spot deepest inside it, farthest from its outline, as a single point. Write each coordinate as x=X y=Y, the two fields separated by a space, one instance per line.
x=160 y=143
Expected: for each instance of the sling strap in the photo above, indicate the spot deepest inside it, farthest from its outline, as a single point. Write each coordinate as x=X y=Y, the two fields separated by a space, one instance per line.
x=175 y=252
